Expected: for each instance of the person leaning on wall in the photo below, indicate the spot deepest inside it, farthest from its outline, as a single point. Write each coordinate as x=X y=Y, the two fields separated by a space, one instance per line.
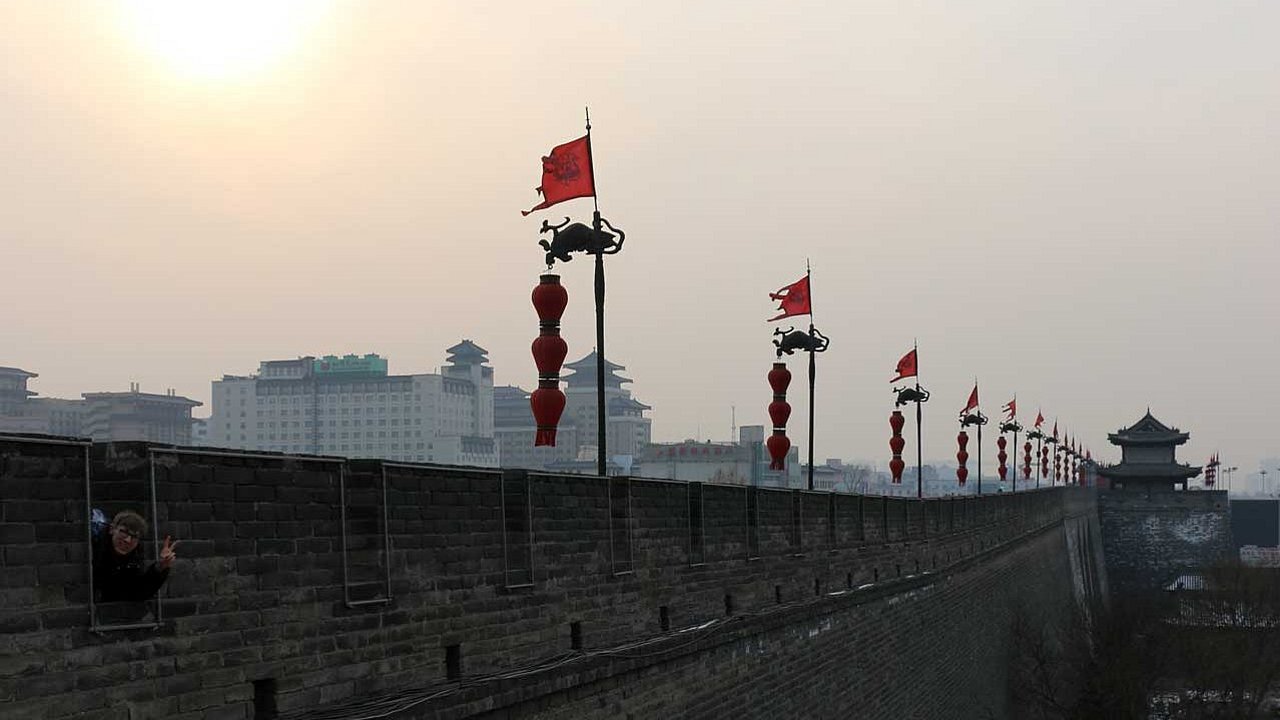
x=118 y=572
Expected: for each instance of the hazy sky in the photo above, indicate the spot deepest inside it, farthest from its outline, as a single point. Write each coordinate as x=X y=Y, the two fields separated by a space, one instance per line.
x=1075 y=201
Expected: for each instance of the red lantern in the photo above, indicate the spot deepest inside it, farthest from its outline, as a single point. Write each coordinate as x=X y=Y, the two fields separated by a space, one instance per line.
x=547 y=403
x=1002 y=456
x=1026 y=460
x=549 y=350
x=779 y=445
x=779 y=378
x=1057 y=467
x=550 y=299
x=1044 y=462
x=779 y=413
x=962 y=457
x=896 y=443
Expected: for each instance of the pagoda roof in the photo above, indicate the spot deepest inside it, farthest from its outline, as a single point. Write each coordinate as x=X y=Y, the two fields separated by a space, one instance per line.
x=1148 y=431
x=467 y=353
x=589 y=362
x=584 y=371
x=1168 y=472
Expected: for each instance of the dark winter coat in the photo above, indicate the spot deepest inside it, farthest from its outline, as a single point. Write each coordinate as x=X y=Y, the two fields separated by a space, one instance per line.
x=118 y=577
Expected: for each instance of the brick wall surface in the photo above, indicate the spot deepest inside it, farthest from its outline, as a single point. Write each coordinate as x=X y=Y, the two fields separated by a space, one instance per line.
x=1149 y=538
x=509 y=594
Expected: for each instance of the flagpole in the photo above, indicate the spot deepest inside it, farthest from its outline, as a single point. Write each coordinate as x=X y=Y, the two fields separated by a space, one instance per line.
x=812 y=366
x=1015 y=448
x=1039 y=459
x=919 y=435
x=601 y=418
x=978 y=410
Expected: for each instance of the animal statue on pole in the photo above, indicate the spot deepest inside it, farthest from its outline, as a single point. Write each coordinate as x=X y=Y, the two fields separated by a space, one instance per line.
x=570 y=237
x=793 y=340
x=910 y=395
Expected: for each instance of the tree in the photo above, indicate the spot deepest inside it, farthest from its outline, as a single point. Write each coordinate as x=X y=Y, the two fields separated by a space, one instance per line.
x=1210 y=650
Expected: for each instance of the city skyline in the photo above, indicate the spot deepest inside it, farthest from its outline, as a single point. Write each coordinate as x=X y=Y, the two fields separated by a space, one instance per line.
x=1073 y=202
x=1251 y=480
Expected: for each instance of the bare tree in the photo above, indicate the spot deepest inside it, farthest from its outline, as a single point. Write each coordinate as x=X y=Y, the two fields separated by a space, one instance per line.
x=1207 y=651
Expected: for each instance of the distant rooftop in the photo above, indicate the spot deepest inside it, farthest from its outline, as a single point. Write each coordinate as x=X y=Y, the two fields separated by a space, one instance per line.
x=1148 y=431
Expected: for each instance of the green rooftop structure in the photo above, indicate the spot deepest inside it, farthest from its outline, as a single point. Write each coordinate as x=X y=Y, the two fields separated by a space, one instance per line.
x=369 y=364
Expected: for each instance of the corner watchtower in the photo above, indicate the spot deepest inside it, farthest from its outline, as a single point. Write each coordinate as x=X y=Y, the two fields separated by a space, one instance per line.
x=1154 y=530
x=1147 y=457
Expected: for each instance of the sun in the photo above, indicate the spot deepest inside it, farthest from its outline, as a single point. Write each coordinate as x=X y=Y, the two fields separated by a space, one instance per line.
x=221 y=40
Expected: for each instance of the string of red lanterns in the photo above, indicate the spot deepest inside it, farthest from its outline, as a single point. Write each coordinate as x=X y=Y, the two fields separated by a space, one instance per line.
x=962 y=456
x=896 y=444
x=779 y=412
x=1002 y=456
x=549 y=350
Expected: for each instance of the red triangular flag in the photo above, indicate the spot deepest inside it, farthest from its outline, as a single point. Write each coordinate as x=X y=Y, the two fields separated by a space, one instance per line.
x=906 y=366
x=1055 y=429
x=973 y=400
x=566 y=174
x=793 y=299
x=1039 y=418
x=1011 y=408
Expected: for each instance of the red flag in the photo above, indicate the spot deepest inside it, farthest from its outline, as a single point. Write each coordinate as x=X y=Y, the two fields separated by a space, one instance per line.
x=566 y=174
x=906 y=366
x=1039 y=418
x=1011 y=408
x=1055 y=429
x=793 y=299
x=973 y=400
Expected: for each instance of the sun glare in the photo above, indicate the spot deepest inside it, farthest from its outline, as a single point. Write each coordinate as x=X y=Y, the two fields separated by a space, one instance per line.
x=221 y=39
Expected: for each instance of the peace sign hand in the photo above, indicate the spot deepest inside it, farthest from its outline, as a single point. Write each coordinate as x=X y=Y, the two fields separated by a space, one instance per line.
x=167 y=554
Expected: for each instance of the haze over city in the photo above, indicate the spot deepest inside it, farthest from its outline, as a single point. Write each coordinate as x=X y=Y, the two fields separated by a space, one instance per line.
x=1070 y=201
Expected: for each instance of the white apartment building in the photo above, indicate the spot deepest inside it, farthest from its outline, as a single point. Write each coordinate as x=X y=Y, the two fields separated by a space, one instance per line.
x=350 y=406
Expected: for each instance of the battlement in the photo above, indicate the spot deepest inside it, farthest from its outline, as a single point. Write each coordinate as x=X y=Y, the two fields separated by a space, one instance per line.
x=303 y=581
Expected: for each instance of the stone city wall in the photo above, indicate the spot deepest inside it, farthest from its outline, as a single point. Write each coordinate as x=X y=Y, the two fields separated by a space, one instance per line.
x=328 y=588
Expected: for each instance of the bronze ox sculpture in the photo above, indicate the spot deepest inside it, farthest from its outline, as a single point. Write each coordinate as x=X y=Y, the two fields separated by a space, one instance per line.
x=910 y=395
x=973 y=419
x=576 y=237
x=793 y=340
x=1010 y=426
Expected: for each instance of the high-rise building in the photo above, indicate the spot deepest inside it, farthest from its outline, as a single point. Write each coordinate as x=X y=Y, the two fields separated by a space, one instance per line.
x=101 y=416
x=13 y=391
x=514 y=430
x=351 y=406
x=627 y=430
x=200 y=431
x=135 y=415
